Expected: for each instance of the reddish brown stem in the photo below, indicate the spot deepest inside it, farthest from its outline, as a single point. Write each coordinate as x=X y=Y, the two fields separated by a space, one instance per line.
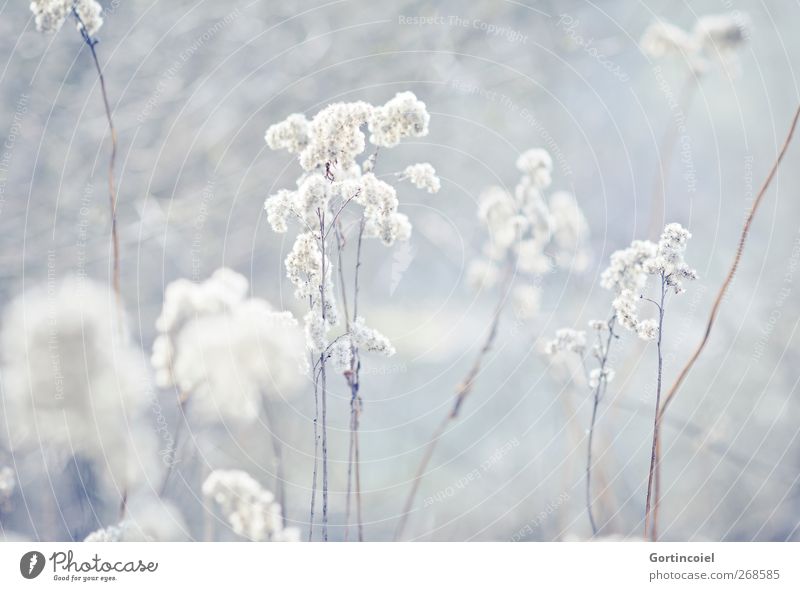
x=722 y=290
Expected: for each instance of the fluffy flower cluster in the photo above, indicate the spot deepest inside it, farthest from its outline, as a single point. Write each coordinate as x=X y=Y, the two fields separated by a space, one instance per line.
x=333 y=137
x=250 y=510
x=529 y=230
x=70 y=379
x=327 y=149
x=574 y=341
x=401 y=117
x=716 y=35
x=51 y=14
x=224 y=350
x=291 y=134
x=422 y=176
x=627 y=275
x=567 y=340
x=598 y=375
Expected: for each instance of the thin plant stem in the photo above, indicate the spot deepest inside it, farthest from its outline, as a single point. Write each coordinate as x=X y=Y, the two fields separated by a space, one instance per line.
x=353 y=382
x=461 y=394
x=722 y=291
x=323 y=380
x=602 y=384
x=91 y=43
x=653 y=458
x=316 y=456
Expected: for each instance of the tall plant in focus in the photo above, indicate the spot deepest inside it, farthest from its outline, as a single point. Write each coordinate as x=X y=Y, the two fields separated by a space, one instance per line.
x=627 y=277
x=339 y=200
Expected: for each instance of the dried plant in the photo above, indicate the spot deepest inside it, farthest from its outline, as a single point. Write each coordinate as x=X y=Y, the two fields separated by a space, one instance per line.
x=597 y=379
x=328 y=147
x=715 y=311
x=528 y=235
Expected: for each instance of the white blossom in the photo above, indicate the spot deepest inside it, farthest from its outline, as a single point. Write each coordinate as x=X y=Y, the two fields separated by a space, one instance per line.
x=370 y=340
x=401 y=117
x=335 y=138
x=713 y=36
x=669 y=257
x=279 y=208
x=647 y=329
x=598 y=325
x=225 y=351
x=597 y=375
x=531 y=257
x=537 y=165
x=341 y=354
x=291 y=134
x=70 y=379
x=423 y=176
x=662 y=38
x=51 y=14
x=627 y=275
x=722 y=32
x=251 y=510
x=625 y=307
x=628 y=268
x=567 y=340
x=226 y=363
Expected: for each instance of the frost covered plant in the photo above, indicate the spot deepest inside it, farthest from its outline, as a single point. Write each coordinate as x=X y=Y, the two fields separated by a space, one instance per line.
x=715 y=36
x=51 y=14
x=422 y=176
x=338 y=197
x=627 y=276
x=225 y=353
x=70 y=379
x=714 y=40
x=251 y=510
x=571 y=341
x=529 y=233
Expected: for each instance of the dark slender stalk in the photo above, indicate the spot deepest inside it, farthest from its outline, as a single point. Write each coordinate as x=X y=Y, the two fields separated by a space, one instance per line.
x=721 y=293
x=323 y=380
x=91 y=43
x=653 y=457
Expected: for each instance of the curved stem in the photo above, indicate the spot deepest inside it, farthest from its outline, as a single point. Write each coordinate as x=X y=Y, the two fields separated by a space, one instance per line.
x=721 y=293
x=461 y=394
